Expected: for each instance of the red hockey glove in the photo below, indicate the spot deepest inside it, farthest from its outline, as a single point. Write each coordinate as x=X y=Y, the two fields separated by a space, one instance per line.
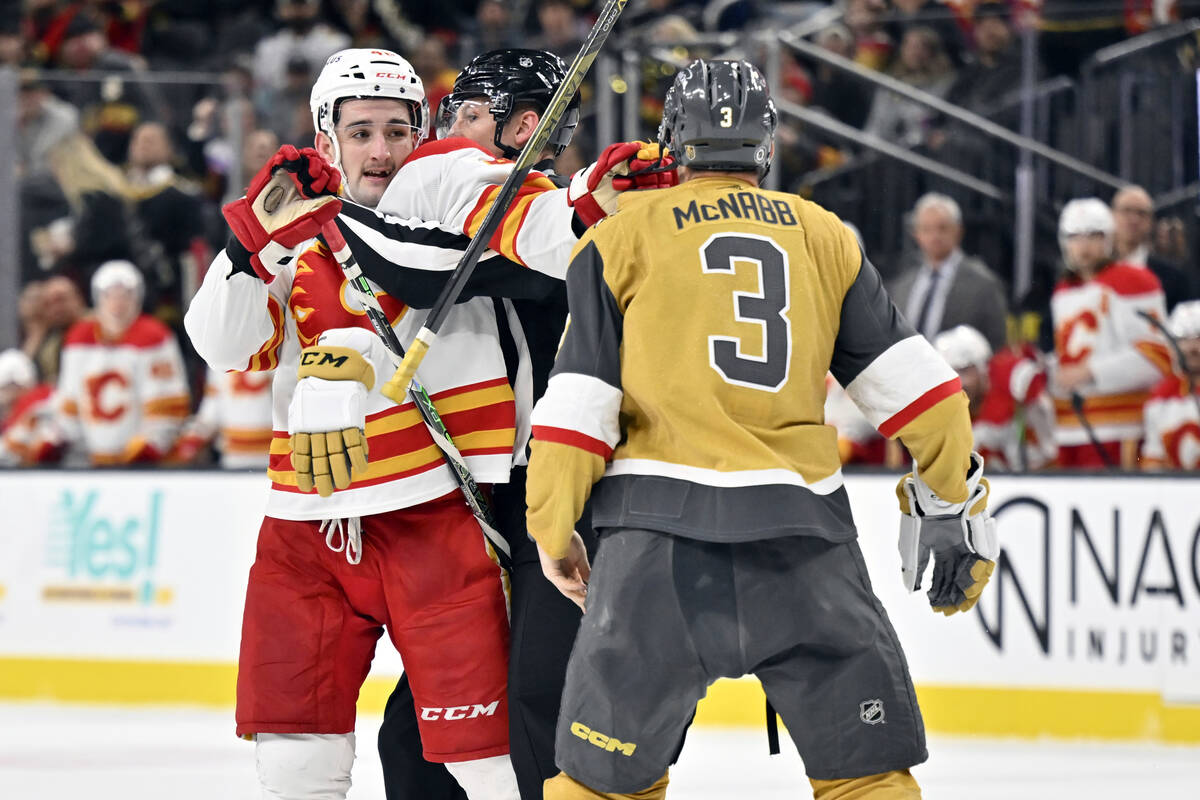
x=594 y=189
x=287 y=203
x=651 y=169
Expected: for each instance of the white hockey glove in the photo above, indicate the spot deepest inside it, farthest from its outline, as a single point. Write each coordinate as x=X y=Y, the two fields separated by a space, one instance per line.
x=327 y=415
x=961 y=537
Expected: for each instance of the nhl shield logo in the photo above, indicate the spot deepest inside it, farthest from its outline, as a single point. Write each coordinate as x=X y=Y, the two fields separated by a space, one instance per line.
x=871 y=711
x=525 y=61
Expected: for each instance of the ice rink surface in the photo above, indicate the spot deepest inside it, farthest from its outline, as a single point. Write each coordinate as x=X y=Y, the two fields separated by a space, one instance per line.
x=51 y=752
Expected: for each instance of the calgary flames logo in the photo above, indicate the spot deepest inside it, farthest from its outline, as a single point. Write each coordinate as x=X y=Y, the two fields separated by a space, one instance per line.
x=322 y=298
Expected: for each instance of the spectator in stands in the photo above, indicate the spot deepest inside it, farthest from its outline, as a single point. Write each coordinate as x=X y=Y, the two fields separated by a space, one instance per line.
x=47 y=310
x=1012 y=416
x=258 y=147
x=97 y=201
x=432 y=64
x=993 y=69
x=563 y=29
x=490 y=29
x=1171 y=244
x=285 y=108
x=303 y=36
x=1108 y=355
x=43 y=121
x=219 y=123
x=934 y=14
x=122 y=394
x=12 y=43
x=845 y=97
x=872 y=45
x=171 y=218
x=22 y=399
x=948 y=288
x=1133 y=213
x=362 y=21
x=111 y=107
x=922 y=64
x=1072 y=30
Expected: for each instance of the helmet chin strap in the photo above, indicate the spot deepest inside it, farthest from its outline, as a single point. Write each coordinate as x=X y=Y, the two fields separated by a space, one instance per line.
x=337 y=163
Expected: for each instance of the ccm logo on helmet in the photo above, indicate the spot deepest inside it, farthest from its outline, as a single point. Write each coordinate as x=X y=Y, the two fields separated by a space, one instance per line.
x=460 y=712
x=393 y=75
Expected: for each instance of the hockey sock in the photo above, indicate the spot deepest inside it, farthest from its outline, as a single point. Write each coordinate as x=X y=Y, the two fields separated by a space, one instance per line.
x=486 y=778
x=895 y=785
x=563 y=787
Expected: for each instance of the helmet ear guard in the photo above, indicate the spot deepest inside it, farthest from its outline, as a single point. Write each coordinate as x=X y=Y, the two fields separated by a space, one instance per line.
x=719 y=115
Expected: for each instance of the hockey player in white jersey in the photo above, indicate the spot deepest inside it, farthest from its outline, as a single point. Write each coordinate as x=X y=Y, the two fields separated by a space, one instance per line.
x=262 y=306
x=122 y=393
x=1172 y=414
x=235 y=414
x=1108 y=356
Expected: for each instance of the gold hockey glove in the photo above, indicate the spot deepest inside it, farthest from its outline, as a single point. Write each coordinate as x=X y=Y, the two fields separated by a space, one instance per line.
x=960 y=536
x=327 y=420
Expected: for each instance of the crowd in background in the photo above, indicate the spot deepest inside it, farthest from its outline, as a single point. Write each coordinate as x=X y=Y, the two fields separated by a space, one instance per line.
x=121 y=182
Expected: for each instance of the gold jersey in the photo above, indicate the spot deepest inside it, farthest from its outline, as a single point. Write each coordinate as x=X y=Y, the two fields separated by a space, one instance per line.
x=691 y=377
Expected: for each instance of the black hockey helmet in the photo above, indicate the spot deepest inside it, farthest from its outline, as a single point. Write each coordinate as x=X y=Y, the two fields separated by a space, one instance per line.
x=506 y=78
x=719 y=115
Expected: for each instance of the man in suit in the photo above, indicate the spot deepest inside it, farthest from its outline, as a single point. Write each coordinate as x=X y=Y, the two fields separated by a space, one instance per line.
x=948 y=287
x=1133 y=211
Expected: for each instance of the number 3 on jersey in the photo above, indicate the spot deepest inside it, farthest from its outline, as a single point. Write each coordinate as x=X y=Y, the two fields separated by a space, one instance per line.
x=768 y=308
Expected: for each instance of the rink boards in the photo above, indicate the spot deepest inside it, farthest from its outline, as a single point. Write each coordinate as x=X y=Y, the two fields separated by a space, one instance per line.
x=127 y=588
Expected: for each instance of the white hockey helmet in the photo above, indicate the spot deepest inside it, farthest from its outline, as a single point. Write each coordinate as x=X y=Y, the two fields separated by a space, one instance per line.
x=963 y=347
x=1083 y=216
x=16 y=369
x=1184 y=322
x=117 y=273
x=365 y=73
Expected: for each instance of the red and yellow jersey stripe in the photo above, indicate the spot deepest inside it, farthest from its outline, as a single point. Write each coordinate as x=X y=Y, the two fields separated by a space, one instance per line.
x=480 y=418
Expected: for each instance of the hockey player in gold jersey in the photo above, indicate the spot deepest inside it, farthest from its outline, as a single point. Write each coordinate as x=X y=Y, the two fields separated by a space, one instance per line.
x=689 y=388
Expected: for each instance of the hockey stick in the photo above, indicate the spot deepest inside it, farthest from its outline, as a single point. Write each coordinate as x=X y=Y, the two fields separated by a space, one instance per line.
x=528 y=156
x=1077 y=406
x=474 y=496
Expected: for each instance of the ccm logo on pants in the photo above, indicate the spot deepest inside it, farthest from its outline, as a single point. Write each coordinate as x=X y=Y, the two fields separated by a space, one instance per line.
x=607 y=743
x=460 y=712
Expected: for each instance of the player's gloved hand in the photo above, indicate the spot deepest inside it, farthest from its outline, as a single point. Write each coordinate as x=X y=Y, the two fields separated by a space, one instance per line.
x=594 y=189
x=570 y=573
x=288 y=202
x=139 y=451
x=327 y=415
x=651 y=168
x=961 y=537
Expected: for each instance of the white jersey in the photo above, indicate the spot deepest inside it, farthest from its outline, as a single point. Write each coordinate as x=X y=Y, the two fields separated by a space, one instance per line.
x=236 y=411
x=124 y=399
x=1172 y=417
x=238 y=322
x=459 y=180
x=1097 y=323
